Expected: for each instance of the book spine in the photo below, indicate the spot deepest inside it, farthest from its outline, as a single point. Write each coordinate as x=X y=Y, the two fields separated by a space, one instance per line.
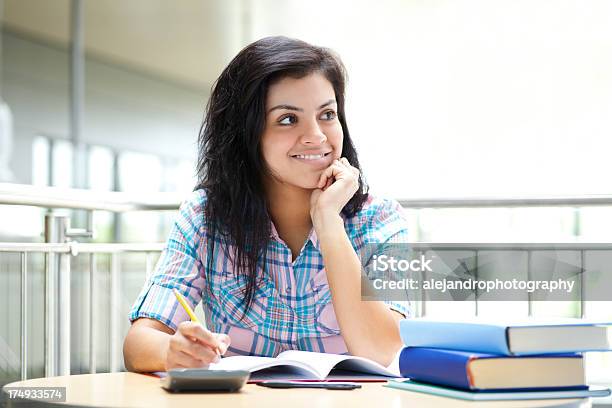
x=480 y=338
x=436 y=367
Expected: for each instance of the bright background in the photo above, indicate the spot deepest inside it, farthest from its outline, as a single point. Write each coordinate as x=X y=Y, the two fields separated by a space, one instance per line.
x=445 y=99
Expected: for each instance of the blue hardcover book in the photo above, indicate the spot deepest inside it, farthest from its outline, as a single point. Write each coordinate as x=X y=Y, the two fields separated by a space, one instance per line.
x=481 y=371
x=519 y=337
x=409 y=385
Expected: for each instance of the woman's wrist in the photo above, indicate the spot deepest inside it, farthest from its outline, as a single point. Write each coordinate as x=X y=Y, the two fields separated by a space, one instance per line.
x=326 y=220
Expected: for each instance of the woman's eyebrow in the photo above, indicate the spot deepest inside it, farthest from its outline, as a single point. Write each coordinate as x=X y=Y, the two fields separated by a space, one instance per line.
x=295 y=108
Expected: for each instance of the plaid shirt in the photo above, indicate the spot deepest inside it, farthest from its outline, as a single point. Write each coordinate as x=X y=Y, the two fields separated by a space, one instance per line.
x=292 y=309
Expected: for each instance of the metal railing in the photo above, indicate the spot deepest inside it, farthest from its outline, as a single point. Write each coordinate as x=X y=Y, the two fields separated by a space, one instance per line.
x=510 y=201
x=60 y=247
x=57 y=286
x=582 y=250
x=69 y=198
x=53 y=197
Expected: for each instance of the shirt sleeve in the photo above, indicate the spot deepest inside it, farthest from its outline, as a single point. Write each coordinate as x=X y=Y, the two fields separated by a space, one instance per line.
x=179 y=266
x=384 y=222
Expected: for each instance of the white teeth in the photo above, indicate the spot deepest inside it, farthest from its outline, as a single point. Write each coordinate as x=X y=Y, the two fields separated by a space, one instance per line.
x=310 y=156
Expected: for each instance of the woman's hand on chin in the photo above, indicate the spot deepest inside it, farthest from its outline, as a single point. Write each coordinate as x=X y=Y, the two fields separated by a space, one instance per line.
x=337 y=185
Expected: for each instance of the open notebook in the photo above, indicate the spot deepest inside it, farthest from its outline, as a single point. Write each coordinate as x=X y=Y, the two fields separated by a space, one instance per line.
x=307 y=365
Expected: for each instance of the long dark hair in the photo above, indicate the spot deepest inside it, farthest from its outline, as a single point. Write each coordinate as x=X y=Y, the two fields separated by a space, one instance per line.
x=230 y=164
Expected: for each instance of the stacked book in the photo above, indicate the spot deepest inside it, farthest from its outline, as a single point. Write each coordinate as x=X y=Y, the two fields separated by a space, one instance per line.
x=483 y=360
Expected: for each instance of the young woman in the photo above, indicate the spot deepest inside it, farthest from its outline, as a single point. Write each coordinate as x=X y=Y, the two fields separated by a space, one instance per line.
x=269 y=240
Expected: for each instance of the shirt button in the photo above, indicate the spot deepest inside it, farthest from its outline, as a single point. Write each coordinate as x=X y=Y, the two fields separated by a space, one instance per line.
x=288 y=289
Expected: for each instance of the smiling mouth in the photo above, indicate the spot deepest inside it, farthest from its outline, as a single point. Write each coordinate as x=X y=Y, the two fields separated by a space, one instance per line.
x=310 y=156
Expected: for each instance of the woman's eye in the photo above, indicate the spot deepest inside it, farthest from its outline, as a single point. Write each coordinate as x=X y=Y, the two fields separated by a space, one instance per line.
x=288 y=120
x=329 y=115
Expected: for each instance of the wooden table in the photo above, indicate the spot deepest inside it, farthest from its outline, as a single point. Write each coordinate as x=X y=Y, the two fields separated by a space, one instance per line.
x=138 y=390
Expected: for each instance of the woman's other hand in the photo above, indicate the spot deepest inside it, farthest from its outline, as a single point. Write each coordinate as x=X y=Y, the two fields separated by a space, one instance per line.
x=337 y=185
x=193 y=346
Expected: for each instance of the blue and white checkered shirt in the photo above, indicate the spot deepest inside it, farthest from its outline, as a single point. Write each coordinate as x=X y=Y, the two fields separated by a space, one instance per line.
x=292 y=309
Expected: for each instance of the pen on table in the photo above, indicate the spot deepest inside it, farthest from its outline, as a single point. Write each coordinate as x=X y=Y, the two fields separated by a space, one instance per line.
x=192 y=315
x=314 y=384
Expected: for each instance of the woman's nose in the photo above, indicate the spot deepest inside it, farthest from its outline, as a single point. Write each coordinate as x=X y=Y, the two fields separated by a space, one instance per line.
x=313 y=135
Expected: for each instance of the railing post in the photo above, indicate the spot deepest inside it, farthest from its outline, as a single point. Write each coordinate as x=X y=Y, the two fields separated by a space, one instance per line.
x=476 y=269
x=529 y=277
x=114 y=308
x=57 y=313
x=93 y=301
x=24 y=316
x=583 y=301
x=422 y=304
x=64 y=314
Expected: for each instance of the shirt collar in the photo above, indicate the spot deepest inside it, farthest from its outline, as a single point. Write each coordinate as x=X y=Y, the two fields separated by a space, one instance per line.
x=313 y=238
x=273 y=232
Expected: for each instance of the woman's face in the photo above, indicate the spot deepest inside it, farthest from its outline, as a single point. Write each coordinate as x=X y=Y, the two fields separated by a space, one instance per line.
x=302 y=135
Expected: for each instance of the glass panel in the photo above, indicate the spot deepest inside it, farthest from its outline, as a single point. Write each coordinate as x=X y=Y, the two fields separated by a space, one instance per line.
x=140 y=173
x=100 y=168
x=40 y=161
x=62 y=162
x=10 y=289
x=101 y=179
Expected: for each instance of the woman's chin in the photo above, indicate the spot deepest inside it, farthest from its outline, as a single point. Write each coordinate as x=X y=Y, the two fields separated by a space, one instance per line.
x=312 y=186
x=297 y=181
x=307 y=185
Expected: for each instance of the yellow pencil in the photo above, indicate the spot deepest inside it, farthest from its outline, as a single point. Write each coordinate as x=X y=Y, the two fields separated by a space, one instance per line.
x=185 y=305
x=192 y=315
